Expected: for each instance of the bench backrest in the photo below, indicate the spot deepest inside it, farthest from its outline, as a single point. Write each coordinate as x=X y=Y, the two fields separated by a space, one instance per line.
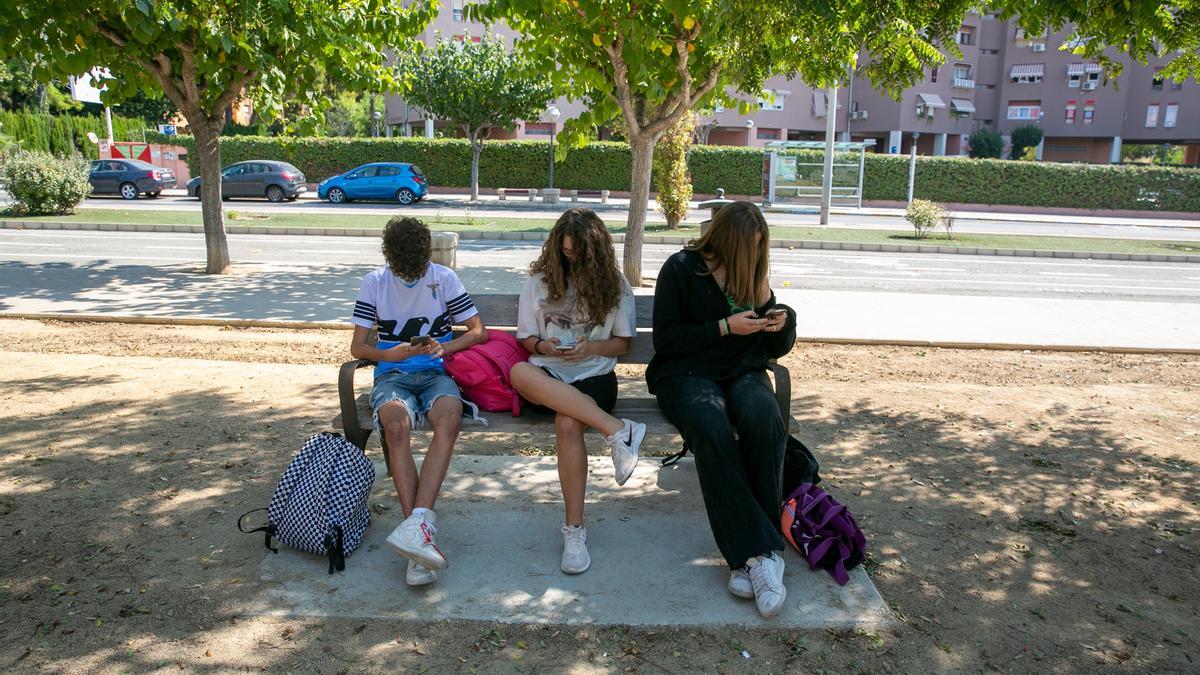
x=499 y=312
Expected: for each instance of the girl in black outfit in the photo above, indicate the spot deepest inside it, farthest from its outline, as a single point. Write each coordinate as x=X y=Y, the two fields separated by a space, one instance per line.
x=716 y=326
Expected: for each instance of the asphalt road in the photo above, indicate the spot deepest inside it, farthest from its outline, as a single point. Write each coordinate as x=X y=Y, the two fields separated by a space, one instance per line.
x=498 y=266
x=1074 y=226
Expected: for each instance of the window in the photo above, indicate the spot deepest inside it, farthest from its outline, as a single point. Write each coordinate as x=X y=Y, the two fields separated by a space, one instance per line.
x=933 y=73
x=1024 y=110
x=389 y=171
x=772 y=100
x=1157 y=83
x=766 y=134
x=538 y=129
x=1027 y=73
x=962 y=76
x=1089 y=111
x=1176 y=86
x=1170 y=115
x=1073 y=79
x=1152 y=115
x=989 y=51
x=966 y=35
x=1070 y=116
x=457 y=8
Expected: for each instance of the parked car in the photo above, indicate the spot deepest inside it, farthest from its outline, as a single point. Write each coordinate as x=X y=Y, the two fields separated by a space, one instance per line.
x=276 y=181
x=129 y=178
x=400 y=181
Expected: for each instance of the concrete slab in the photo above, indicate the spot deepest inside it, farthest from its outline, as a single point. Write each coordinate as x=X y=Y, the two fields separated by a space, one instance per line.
x=654 y=562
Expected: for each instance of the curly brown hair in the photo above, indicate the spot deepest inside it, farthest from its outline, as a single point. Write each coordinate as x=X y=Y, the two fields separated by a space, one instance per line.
x=593 y=272
x=407 y=247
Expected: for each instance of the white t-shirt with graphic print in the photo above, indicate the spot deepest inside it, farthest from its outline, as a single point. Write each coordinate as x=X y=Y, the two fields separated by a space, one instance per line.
x=566 y=321
x=401 y=310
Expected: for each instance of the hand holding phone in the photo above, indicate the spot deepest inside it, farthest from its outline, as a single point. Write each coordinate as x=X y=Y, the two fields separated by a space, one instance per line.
x=776 y=313
x=420 y=340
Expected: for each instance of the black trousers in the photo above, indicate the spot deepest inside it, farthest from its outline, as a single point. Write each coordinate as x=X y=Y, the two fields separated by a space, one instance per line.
x=738 y=437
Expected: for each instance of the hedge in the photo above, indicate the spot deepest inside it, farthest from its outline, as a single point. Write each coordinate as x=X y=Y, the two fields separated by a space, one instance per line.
x=605 y=165
x=65 y=134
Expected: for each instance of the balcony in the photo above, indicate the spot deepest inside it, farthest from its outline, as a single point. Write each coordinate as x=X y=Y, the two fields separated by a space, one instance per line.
x=963 y=83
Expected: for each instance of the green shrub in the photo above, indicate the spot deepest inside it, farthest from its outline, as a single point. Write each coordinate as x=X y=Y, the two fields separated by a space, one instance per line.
x=66 y=134
x=986 y=143
x=44 y=184
x=671 y=179
x=605 y=165
x=1024 y=137
x=925 y=216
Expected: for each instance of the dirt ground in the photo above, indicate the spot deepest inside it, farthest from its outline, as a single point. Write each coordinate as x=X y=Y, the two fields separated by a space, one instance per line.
x=1026 y=512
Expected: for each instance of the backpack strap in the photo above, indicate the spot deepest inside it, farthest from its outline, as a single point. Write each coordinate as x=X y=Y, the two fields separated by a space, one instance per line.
x=335 y=550
x=268 y=528
x=668 y=461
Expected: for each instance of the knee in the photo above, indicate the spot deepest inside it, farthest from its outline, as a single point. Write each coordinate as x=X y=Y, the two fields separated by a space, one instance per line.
x=397 y=427
x=568 y=426
x=446 y=415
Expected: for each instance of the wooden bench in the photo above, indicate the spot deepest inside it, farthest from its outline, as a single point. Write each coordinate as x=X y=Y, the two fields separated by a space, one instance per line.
x=602 y=195
x=499 y=312
x=504 y=193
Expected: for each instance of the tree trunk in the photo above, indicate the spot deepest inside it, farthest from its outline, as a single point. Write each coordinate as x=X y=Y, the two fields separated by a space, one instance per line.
x=208 y=136
x=476 y=149
x=642 y=146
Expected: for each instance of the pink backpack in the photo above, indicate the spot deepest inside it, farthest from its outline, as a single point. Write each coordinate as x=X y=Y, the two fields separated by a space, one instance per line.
x=482 y=372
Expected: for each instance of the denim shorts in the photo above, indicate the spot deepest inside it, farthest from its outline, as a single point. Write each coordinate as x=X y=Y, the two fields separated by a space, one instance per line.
x=417 y=391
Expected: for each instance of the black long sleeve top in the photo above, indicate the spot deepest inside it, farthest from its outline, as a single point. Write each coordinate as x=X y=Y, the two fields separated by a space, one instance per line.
x=688 y=307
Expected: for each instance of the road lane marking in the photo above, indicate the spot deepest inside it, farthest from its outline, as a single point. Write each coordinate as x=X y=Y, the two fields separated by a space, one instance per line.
x=1000 y=283
x=16 y=243
x=175 y=248
x=1073 y=274
x=110 y=257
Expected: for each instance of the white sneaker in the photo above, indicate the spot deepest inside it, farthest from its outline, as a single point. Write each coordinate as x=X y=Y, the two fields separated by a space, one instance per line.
x=766 y=574
x=413 y=539
x=740 y=584
x=419 y=575
x=625 y=444
x=575 y=558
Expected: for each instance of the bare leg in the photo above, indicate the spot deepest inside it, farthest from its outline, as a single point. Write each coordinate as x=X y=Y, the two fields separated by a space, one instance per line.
x=397 y=429
x=572 y=466
x=446 y=419
x=535 y=385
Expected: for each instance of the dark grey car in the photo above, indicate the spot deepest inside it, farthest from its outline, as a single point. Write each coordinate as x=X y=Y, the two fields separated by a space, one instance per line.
x=274 y=180
x=129 y=178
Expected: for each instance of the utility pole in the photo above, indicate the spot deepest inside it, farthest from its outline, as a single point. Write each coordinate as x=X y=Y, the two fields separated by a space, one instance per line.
x=827 y=171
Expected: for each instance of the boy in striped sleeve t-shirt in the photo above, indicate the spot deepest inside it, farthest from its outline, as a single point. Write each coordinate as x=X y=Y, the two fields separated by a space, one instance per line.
x=412 y=303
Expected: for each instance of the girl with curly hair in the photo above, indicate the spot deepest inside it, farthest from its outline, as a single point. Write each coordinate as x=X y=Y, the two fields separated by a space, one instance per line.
x=576 y=315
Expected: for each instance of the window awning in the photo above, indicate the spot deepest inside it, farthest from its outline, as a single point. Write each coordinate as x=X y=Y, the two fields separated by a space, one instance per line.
x=818 y=103
x=1081 y=68
x=1028 y=70
x=962 y=105
x=931 y=100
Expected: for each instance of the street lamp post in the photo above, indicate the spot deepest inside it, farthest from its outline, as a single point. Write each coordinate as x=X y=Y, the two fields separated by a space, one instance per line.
x=553 y=113
x=375 y=117
x=912 y=165
x=749 y=132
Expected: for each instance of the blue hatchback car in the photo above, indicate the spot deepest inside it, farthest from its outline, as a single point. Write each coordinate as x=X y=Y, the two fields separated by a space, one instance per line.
x=398 y=181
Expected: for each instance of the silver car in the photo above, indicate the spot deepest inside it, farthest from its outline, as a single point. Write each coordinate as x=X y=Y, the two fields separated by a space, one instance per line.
x=274 y=180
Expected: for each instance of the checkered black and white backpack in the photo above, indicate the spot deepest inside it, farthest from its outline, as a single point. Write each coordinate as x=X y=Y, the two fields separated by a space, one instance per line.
x=320 y=505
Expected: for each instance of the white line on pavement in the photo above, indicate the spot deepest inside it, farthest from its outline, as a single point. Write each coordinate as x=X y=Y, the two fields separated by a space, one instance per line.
x=1073 y=274
x=325 y=250
x=175 y=248
x=1000 y=283
x=15 y=243
x=111 y=258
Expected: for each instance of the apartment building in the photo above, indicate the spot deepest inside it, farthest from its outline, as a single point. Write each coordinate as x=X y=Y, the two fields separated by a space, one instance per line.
x=1004 y=79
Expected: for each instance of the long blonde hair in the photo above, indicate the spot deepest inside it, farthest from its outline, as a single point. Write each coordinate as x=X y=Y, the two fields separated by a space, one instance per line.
x=729 y=243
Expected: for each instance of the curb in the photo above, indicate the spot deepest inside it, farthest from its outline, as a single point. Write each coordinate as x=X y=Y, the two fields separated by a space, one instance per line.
x=342 y=325
x=619 y=238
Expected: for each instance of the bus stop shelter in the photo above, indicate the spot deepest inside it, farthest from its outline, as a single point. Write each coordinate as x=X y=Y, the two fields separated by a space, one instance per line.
x=792 y=172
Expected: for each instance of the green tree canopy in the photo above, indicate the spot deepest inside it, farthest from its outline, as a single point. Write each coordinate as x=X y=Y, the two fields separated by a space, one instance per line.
x=477 y=86
x=204 y=55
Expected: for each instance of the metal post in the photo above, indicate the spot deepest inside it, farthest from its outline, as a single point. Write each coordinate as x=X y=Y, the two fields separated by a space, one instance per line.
x=862 y=160
x=551 y=155
x=827 y=172
x=108 y=122
x=912 y=165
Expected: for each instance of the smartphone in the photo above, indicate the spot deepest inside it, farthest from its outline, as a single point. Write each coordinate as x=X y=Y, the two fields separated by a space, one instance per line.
x=565 y=347
x=418 y=340
x=776 y=313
